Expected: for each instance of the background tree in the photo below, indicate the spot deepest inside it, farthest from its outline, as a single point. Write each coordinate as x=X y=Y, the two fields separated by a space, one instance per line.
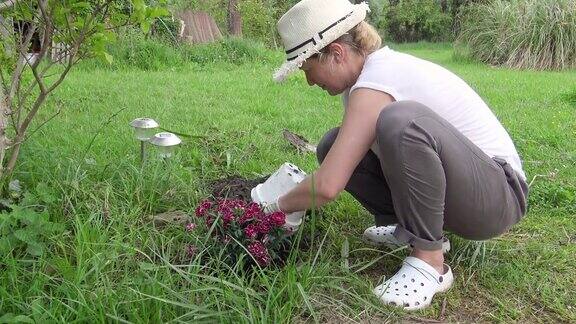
x=67 y=31
x=234 y=19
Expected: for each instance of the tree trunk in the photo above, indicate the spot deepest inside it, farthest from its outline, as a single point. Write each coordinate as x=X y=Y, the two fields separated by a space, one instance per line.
x=4 y=142
x=234 y=19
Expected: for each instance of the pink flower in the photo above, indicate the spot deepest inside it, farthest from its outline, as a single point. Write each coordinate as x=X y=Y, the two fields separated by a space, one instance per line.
x=227 y=216
x=252 y=211
x=253 y=208
x=190 y=227
x=277 y=219
x=259 y=252
x=250 y=231
x=263 y=227
x=203 y=208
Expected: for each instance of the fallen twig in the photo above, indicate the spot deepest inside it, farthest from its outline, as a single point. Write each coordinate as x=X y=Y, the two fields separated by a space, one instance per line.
x=301 y=144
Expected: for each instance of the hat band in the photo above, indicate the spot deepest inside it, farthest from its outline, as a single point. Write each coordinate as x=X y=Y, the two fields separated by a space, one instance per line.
x=313 y=39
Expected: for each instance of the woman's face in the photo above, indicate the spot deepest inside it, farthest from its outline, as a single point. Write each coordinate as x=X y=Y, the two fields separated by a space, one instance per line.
x=324 y=73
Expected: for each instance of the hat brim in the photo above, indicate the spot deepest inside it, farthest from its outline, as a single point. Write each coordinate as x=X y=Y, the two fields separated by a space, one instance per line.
x=289 y=67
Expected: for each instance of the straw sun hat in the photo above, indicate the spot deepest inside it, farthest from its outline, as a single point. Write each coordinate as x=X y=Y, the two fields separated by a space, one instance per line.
x=311 y=25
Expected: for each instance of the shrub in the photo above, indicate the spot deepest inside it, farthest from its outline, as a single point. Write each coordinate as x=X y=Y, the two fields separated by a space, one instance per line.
x=258 y=21
x=167 y=29
x=146 y=54
x=134 y=51
x=535 y=34
x=411 y=20
x=377 y=16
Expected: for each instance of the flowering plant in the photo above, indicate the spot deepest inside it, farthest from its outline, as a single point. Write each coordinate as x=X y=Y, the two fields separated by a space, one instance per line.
x=238 y=227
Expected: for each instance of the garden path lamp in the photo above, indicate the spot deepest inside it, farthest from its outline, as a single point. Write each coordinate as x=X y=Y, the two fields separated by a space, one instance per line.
x=144 y=129
x=166 y=143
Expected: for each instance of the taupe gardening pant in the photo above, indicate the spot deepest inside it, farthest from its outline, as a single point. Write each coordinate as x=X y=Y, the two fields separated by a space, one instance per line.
x=431 y=178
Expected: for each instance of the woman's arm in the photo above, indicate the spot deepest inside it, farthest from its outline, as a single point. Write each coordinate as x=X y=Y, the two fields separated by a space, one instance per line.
x=354 y=139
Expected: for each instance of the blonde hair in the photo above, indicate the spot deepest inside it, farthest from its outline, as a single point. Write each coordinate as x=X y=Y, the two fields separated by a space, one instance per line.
x=363 y=39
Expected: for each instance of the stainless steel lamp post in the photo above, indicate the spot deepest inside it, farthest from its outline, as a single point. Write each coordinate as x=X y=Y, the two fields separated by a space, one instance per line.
x=166 y=143
x=144 y=129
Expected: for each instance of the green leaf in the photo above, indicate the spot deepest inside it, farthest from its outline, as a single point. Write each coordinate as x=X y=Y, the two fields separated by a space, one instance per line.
x=7 y=244
x=139 y=5
x=35 y=249
x=10 y=318
x=156 y=12
x=146 y=266
x=145 y=26
x=46 y=193
x=25 y=235
x=81 y=5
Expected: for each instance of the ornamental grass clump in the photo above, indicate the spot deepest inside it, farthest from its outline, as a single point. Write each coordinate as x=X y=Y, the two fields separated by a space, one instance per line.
x=531 y=34
x=241 y=229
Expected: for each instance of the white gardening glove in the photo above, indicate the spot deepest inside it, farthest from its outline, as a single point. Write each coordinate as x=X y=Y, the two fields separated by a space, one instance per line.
x=293 y=220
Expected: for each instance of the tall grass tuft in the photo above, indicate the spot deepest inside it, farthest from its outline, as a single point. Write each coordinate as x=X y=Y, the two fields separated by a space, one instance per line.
x=532 y=34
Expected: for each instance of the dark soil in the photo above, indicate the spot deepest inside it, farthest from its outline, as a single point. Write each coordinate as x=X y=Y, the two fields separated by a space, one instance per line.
x=235 y=187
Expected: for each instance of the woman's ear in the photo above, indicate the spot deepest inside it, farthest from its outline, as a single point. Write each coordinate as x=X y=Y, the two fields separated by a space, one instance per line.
x=337 y=51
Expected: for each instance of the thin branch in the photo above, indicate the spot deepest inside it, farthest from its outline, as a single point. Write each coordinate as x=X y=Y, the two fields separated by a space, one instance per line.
x=76 y=48
x=46 y=68
x=48 y=32
x=43 y=91
x=43 y=75
x=17 y=142
x=30 y=134
x=3 y=80
x=20 y=64
x=99 y=131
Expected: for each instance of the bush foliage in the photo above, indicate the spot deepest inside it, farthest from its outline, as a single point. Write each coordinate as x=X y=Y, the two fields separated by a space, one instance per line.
x=402 y=20
x=412 y=20
x=535 y=34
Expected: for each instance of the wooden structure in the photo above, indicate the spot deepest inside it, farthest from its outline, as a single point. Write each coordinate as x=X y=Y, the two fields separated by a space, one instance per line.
x=198 y=27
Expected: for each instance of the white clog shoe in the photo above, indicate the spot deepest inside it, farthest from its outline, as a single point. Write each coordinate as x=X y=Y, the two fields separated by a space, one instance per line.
x=384 y=236
x=414 y=285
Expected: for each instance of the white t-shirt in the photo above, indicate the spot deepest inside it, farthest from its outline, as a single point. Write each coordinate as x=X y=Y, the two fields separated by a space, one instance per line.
x=406 y=77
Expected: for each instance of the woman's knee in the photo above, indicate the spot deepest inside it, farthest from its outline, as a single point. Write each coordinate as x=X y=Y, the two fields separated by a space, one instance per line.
x=326 y=143
x=394 y=118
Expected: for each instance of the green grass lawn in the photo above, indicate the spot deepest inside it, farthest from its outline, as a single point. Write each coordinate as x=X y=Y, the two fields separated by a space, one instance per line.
x=110 y=264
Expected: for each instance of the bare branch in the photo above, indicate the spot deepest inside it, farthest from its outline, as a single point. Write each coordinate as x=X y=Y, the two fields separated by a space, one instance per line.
x=22 y=59
x=43 y=75
x=21 y=132
x=5 y=88
x=48 y=32
x=16 y=75
x=30 y=134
